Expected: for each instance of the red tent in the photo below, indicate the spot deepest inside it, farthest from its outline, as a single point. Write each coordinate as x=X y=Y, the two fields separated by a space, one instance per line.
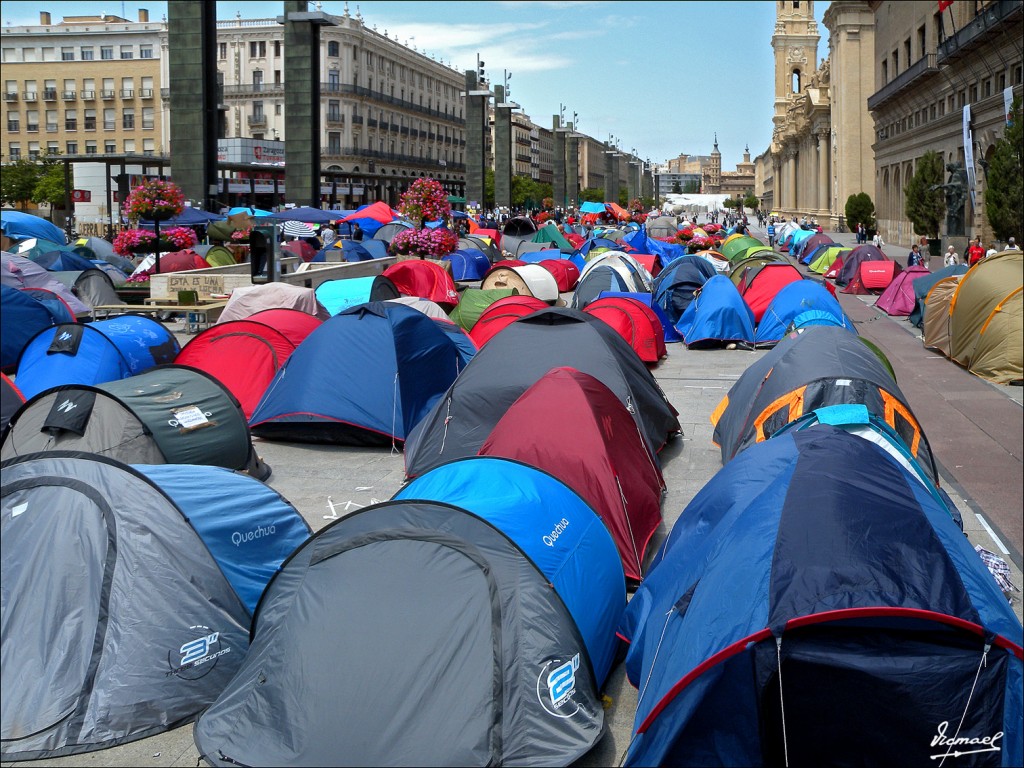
x=243 y=355
x=650 y=261
x=425 y=279
x=501 y=314
x=505 y=263
x=378 y=211
x=566 y=273
x=304 y=249
x=180 y=261
x=832 y=272
x=572 y=426
x=293 y=323
x=872 y=277
x=760 y=284
x=635 y=322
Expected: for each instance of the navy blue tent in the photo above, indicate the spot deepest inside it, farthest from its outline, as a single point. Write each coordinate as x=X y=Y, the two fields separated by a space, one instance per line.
x=377 y=249
x=23 y=316
x=338 y=295
x=364 y=377
x=717 y=315
x=468 y=264
x=554 y=527
x=675 y=285
x=798 y=305
x=353 y=250
x=811 y=584
x=144 y=577
x=63 y=261
x=306 y=214
x=93 y=353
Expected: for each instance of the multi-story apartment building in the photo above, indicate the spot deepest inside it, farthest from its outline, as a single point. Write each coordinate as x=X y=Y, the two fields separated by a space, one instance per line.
x=933 y=69
x=89 y=85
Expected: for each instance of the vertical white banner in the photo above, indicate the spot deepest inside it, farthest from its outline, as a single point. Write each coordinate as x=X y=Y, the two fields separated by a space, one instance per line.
x=1007 y=102
x=969 y=153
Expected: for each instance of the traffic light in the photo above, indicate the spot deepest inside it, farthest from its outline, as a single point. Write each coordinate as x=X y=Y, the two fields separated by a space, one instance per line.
x=122 y=180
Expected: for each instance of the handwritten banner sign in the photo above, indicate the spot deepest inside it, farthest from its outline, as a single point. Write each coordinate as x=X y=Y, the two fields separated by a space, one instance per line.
x=203 y=285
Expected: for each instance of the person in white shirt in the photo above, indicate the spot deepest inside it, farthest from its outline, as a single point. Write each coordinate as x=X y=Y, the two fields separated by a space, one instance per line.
x=1011 y=245
x=951 y=257
x=877 y=240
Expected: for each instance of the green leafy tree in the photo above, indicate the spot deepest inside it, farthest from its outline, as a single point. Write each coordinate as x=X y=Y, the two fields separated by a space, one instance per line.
x=1004 y=191
x=691 y=187
x=676 y=188
x=18 y=182
x=592 y=195
x=751 y=201
x=925 y=202
x=50 y=187
x=729 y=203
x=522 y=190
x=859 y=208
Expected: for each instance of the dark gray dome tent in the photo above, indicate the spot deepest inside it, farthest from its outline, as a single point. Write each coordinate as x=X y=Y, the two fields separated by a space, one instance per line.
x=92 y=286
x=127 y=595
x=172 y=414
x=410 y=632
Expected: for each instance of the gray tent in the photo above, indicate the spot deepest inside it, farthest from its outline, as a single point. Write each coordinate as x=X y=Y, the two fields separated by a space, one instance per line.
x=93 y=286
x=168 y=415
x=389 y=230
x=408 y=633
x=127 y=595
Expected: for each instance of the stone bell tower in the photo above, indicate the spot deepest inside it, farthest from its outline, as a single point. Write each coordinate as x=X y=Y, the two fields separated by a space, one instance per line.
x=795 y=43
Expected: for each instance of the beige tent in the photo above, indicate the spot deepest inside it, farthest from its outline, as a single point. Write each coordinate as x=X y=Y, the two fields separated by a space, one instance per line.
x=528 y=280
x=986 y=319
x=250 y=299
x=936 y=313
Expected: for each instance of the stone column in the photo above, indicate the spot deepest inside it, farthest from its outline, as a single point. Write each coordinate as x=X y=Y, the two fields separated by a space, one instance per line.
x=824 y=175
x=572 y=167
x=502 y=149
x=791 y=190
x=475 y=146
x=301 y=105
x=558 y=180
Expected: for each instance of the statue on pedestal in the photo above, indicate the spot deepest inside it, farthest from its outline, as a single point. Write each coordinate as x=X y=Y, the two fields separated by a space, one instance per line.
x=956 y=198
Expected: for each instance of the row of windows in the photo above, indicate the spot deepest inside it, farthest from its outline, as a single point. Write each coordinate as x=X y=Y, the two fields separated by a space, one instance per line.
x=334 y=147
x=109 y=147
x=89 y=120
x=84 y=53
x=70 y=88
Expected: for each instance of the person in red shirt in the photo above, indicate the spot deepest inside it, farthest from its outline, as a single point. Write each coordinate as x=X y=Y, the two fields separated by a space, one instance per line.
x=975 y=253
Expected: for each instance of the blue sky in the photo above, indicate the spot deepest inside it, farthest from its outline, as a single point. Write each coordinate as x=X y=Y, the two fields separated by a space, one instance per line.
x=662 y=77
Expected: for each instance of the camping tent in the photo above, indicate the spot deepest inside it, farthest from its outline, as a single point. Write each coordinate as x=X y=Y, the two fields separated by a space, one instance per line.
x=936 y=323
x=761 y=284
x=853 y=259
x=94 y=352
x=826 y=257
x=819 y=366
x=798 y=305
x=717 y=316
x=898 y=297
x=676 y=284
x=473 y=302
x=20 y=272
x=734 y=247
x=987 y=317
x=517 y=357
x=24 y=315
x=92 y=286
x=811 y=584
x=924 y=283
x=873 y=277
x=364 y=377
x=446 y=644
x=501 y=314
x=143 y=579
x=171 y=414
x=425 y=279
x=566 y=273
x=635 y=321
x=571 y=425
x=243 y=355
x=337 y=295
x=18 y=225
x=249 y=299
x=11 y=400
x=671 y=335
x=528 y=279
x=468 y=264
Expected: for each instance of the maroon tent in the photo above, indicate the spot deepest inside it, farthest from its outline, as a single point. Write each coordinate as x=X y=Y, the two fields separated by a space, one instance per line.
x=181 y=261
x=501 y=314
x=293 y=323
x=572 y=426
x=304 y=249
x=425 y=279
x=243 y=355
x=566 y=273
x=635 y=322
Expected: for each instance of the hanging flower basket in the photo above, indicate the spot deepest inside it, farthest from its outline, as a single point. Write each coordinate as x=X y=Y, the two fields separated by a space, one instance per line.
x=135 y=241
x=424 y=243
x=425 y=200
x=154 y=200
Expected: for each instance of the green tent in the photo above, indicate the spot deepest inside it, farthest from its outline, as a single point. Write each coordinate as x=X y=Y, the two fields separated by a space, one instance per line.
x=753 y=250
x=220 y=256
x=756 y=261
x=549 y=234
x=732 y=248
x=826 y=258
x=472 y=303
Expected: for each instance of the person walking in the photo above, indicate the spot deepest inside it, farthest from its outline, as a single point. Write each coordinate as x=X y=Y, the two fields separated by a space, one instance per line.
x=877 y=240
x=952 y=258
x=914 y=258
x=771 y=235
x=975 y=252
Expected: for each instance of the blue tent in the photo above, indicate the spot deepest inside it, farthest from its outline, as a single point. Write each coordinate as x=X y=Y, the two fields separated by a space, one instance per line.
x=675 y=285
x=252 y=211
x=598 y=242
x=63 y=261
x=248 y=527
x=799 y=304
x=811 y=584
x=364 y=377
x=24 y=226
x=338 y=295
x=93 y=353
x=536 y=257
x=23 y=316
x=306 y=214
x=353 y=250
x=592 y=207
x=553 y=526
x=600 y=278
x=377 y=249
x=671 y=334
x=468 y=264
x=716 y=316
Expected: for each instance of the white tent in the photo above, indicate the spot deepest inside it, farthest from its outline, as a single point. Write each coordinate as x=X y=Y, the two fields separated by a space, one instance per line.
x=677 y=204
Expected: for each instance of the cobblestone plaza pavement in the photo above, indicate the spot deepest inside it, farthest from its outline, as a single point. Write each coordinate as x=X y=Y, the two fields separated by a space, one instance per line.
x=975 y=429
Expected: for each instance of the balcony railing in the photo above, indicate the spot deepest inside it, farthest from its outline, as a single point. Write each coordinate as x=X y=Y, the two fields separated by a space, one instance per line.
x=980 y=30
x=257 y=119
x=358 y=90
x=68 y=95
x=392 y=157
x=921 y=68
x=70 y=125
x=146 y=93
x=30 y=95
x=11 y=96
x=127 y=93
x=13 y=127
x=107 y=94
x=254 y=89
x=50 y=94
x=88 y=95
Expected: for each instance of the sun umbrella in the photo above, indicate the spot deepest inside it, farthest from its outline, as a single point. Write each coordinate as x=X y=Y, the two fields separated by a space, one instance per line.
x=305 y=213
x=298 y=229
